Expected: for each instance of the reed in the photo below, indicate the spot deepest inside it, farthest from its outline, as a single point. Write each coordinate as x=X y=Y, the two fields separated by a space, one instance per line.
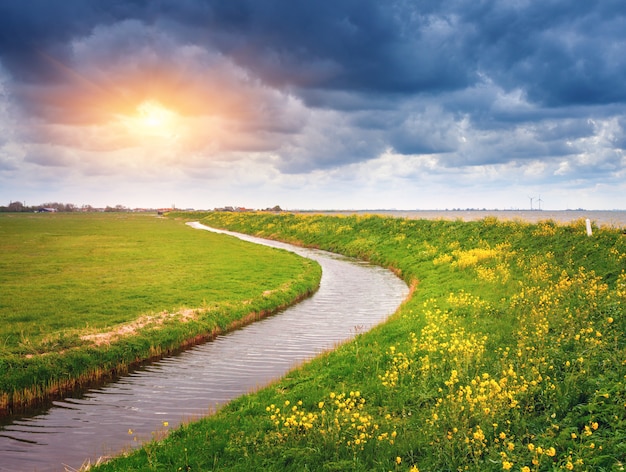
x=509 y=355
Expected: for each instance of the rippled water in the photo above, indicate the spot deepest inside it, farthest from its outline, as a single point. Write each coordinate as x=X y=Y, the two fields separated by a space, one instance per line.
x=352 y=297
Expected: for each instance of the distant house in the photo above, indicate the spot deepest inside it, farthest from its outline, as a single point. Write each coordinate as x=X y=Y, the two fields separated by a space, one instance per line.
x=231 y=208
x=46 y=210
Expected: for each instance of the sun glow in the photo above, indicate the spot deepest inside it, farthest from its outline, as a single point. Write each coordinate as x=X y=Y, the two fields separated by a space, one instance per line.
x=154 y=115
x=152 y=119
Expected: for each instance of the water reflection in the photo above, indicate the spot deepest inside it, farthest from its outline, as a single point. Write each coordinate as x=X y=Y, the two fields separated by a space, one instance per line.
x=352 y=297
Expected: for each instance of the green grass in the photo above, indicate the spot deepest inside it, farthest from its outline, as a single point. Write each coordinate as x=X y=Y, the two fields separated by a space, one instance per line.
x=510 y=355
x=67 y=276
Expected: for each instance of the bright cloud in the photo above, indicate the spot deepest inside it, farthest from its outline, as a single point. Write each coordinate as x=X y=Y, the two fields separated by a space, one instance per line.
x=333 y=105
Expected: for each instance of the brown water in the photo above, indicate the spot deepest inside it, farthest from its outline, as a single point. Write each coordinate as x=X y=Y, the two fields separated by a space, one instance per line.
x=352 y=297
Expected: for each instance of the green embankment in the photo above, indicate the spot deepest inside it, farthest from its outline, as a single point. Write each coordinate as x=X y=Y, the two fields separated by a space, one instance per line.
x=73 y=286
x=510 y=355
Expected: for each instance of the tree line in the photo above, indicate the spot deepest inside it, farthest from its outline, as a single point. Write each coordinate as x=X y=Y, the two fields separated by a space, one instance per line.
x=21 y=207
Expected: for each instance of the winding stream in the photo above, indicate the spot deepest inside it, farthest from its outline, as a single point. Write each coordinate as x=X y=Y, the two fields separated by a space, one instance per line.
x=353 y=296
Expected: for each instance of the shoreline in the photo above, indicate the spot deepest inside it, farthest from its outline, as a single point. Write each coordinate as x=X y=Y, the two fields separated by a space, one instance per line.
x=608 y=218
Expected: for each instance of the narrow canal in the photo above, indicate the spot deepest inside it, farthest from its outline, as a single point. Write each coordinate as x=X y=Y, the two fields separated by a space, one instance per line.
x=353 y=296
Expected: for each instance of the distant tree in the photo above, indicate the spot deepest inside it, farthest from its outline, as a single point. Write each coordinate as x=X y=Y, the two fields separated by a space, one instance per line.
x=116 y=208
x=16 y=206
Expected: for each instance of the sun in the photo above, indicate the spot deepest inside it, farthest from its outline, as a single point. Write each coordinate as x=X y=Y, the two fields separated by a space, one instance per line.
x=151 y=119
x=153 y=115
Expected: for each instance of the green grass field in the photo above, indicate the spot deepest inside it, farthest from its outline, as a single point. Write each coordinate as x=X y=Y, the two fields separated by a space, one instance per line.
x=509 y=355
x=70 y=284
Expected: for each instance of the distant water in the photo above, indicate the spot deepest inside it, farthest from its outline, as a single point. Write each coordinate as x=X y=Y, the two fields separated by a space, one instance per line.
x=616 y=219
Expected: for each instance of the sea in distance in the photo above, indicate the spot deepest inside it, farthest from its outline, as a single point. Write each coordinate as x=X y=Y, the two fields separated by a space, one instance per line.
x=608 y=218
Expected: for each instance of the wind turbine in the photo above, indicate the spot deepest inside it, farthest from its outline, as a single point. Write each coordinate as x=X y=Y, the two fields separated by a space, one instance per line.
x=531 y=201
x=539 y=200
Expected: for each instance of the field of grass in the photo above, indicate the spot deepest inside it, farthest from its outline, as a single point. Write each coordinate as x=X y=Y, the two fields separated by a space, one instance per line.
x=510 y=355
x=83 y=296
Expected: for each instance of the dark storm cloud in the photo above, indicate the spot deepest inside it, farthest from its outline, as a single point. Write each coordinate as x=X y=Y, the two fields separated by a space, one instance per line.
x=347 y=44
x=491 y=80
x=558 y=51
x=28 y=29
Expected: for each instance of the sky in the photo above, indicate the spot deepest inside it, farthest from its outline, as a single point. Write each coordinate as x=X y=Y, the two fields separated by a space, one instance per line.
x=326 y=104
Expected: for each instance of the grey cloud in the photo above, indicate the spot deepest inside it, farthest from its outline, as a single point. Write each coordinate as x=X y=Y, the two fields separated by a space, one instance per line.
x=563 y=130
x=508 y=80
x=49 y=156
x=430 y=132
x=559 y=52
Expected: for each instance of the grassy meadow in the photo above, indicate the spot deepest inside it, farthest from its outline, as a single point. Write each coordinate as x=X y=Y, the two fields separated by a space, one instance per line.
x=509 y=355
x=85 y=296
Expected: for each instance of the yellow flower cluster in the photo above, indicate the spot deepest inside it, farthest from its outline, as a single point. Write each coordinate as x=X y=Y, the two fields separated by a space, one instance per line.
x=347 y=422
x=490 y=264
x=463 y=299
x=562 y=331
x=444 y=339
x=500 y=273
x=306 y=227
x=400 y=364
x=292 y=417
x=339 y=421
x=545 y=229
x=620 y=289
x=343 y=229
x=472 y=257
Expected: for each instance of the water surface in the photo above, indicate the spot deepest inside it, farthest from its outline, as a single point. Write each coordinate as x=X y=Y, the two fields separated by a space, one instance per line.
x=353 y=296
x=614 y=218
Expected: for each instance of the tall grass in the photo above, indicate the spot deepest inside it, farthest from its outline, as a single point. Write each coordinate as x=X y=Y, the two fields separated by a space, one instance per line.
x=71 y=285
x=510 y=355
